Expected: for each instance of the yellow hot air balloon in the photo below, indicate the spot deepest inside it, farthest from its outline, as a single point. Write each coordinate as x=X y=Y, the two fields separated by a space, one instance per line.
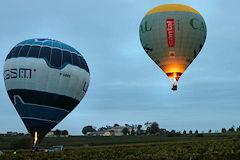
x=173 y=35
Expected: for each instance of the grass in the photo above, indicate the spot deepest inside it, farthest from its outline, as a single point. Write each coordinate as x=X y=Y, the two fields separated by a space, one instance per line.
x=76 y=141
x=193 y=148
x=210 y=146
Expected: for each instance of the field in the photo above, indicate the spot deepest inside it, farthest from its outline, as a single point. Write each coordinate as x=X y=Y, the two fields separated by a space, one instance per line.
x=217 y=147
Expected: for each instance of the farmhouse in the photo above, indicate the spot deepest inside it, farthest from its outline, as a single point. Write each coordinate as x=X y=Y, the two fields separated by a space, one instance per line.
x=58 y=133
x=111 y=131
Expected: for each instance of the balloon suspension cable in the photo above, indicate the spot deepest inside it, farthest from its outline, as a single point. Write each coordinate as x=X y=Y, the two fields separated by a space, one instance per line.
x=174 y=79
x=174 y=82
x=35 y=143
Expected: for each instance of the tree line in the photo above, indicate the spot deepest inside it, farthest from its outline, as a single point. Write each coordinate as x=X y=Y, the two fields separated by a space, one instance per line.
x=152 y=128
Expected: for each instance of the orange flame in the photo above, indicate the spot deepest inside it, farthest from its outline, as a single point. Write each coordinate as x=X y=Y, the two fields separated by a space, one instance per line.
x=35 y=138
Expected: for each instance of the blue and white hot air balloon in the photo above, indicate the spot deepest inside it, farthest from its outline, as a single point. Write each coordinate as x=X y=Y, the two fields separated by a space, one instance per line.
x=45 y=80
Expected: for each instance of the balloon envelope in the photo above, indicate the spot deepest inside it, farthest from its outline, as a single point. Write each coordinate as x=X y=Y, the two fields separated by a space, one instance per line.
x=173 y=35
x=45 y=80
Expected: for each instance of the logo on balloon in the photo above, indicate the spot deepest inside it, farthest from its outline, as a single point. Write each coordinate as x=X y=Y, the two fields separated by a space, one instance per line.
x=170 y=32
x=198 y=25
x=145 y=28
x=18 y=73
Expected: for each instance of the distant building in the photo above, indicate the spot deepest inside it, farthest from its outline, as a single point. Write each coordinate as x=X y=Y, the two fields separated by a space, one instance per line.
x=12 y=133
x=100 y=133
x=96 y=133
x=58 y=133
x=50 y=134
x=107 y=133
x=110 y=131
x=117 y=130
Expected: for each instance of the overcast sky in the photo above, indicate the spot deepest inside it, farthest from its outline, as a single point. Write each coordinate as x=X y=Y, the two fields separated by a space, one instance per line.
x=126 y=86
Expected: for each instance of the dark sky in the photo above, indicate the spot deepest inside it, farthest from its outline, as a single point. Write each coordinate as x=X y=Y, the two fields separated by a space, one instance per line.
x=126 y=86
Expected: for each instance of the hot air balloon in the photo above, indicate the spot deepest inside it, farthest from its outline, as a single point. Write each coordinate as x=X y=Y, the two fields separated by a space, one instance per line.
x=45 y=80
x=172 y=35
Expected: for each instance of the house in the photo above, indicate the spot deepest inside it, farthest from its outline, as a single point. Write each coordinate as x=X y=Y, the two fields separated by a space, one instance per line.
x=96 y=133
x=117 y=130
x=57 y=133
x=50 y=134
x=100 y=133
x=12 y=133
x=107 y=133
x=110 y=131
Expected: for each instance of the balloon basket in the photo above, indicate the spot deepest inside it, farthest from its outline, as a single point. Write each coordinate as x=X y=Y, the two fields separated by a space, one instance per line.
x=35 y=148
x=174 y=87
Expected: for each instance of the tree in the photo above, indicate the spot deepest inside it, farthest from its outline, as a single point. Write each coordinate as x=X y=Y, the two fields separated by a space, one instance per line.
x=184 y=132
x=125 y=131
x=210 y=131
x=127 y=125
x=178 y=134
x=133 y=132
x=102 y=129
x=134 y=126
x=147 y=124
x=154 y=128
x=116 y=125
x=65 y=132
x=224 y=130
x=196 y=132
x=190 y=132
x=20 y=134
x=173 y=132
x=238 y=129
x=57 y=132
x=139 y=129
x=108 y=127
x=88 y=129
x=231 y=129
x=148 y=130
x=162 y=131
